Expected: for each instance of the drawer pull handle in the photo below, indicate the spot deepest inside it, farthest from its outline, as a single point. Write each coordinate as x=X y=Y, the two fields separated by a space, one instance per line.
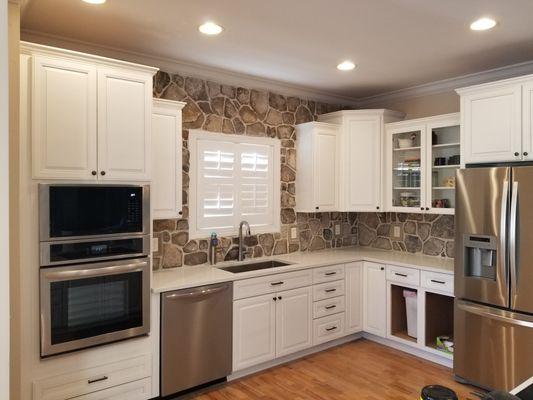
x=330 y=290
x=276 y=283
x=102 y=378
x=330 y=273
x=330 y=307
x=402 y=275
x=331 y=329
x=440 y=282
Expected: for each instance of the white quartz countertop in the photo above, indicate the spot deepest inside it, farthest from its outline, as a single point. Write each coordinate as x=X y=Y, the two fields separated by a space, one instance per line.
x=187 y=277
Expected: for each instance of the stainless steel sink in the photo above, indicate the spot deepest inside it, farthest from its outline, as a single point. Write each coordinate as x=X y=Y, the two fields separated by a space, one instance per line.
x=236 y=269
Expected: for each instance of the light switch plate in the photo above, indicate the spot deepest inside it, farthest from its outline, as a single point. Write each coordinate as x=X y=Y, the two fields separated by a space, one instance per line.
x=294 y=233
x=396 y=231
x=155 y=245
x=337 y=229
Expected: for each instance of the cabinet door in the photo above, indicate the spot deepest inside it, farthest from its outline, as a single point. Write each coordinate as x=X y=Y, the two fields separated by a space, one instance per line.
x=325 y=170
x=364 y=164
x=527 y=127
x=254 y=331
x=354 y=304
x=63 y=119
x=124 y=124
x=492 y=125
x=375 y=299
x=166 y=159
x=294 y=319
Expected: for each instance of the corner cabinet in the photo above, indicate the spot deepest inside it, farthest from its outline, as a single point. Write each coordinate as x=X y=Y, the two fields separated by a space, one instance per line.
x=90 y=116
x=374 y=299
x=496 y=121
x=317 y=167
x=166 y=193
x=360 y=155
x=422 y=157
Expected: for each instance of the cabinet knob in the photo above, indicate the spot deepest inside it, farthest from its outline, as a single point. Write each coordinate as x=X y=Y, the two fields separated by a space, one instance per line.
x=180 y=212
x=93 y=173
x=377 y=207
x=427 y=208
x=516 y=153
x=279 y=297
x=382 y=268
x=525 y=153
x=317 y=208
x=273 y=298
x=102 y=173
x=422 y=208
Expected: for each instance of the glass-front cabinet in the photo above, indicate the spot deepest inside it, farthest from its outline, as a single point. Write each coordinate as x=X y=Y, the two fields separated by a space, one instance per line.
x=423 y=156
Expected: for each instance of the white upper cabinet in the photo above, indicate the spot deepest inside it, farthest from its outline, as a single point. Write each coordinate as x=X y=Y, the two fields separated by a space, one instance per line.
x=90 y=116
x=360 y=156
x=317 y=167
x=124 y=124
x=166 y=159
x=422 y=157
x=63 y=117
x=496 y=121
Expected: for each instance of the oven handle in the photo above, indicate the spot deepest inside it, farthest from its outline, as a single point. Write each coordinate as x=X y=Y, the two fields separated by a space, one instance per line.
x=89 y=273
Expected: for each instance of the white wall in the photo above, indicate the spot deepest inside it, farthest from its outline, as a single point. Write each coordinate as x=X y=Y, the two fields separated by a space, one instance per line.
x=4 y=204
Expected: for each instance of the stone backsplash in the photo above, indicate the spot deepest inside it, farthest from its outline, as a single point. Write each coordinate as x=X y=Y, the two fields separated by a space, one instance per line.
x=430 y=234
x=224 y=109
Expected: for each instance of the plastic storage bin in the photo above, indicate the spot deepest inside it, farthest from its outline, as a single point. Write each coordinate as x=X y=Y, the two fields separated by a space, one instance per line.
x=411 y=311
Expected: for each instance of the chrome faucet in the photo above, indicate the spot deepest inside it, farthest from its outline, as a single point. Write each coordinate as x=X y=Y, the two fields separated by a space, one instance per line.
x=241 y=244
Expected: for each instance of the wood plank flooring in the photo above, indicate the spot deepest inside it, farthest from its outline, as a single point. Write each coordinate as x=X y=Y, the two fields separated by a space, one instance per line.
x=361 y=370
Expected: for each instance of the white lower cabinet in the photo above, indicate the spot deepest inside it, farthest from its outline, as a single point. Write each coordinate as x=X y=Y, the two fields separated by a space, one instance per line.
x=375 y=295
x=328 y=328
x=254 y=331
x=138 y=390
x=354 y=298
x=294 y=309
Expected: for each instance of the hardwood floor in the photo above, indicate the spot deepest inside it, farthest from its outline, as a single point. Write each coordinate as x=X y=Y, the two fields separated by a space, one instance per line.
x=360 y=370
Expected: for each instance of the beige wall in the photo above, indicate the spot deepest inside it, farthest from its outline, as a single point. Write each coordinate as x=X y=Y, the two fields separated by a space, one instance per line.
x=424 y=106
x=14 y=67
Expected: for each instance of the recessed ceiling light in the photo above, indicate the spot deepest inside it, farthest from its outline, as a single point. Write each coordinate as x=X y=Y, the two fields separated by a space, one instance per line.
x=210 y=28
x=94 y=1
x=346 y=66
x=483 y=24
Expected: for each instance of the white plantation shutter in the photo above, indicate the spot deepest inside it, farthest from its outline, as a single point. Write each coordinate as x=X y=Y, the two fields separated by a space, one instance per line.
x=234 y=178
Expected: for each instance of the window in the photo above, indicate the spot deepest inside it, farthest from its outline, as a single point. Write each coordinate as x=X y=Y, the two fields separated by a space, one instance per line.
x=233 y=178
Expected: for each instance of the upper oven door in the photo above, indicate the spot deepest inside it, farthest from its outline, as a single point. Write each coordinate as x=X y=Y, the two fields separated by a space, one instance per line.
x=85 y=211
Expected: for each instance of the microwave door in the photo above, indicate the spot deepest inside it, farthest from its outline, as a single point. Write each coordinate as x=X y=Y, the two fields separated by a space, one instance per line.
x=521 y=240
x=481 y=217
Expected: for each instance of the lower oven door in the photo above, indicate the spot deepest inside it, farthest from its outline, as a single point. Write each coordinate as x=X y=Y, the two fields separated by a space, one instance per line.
x=91 y=304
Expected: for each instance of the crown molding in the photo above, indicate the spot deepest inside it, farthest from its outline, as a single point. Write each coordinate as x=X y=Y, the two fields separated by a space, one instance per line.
x=177 y=66
x=449 y=85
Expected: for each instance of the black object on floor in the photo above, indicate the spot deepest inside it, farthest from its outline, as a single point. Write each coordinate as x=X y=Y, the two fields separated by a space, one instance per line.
x=437 y=392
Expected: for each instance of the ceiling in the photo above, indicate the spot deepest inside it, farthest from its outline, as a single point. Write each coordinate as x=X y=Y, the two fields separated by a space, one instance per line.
x=396 y=43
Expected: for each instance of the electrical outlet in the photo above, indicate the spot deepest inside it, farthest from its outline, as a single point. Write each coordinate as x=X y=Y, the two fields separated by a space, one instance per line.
x=294 y=233
x=337 y=229
x=396 y=231
x=155 y=245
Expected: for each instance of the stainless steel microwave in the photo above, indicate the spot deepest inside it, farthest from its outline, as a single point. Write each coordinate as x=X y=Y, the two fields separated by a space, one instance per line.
x=71 y=212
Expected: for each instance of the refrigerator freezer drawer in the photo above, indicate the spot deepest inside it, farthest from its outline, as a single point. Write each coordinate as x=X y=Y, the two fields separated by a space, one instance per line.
x=493 y=348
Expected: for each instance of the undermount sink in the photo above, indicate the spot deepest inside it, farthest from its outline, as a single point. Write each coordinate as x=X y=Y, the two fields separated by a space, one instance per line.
x=236 y=269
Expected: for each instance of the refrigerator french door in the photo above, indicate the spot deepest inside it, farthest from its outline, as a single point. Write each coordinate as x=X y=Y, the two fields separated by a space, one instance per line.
x=494 y=276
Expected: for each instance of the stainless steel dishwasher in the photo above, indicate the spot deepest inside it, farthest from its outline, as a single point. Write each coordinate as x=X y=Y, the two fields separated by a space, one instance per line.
x=196 y=336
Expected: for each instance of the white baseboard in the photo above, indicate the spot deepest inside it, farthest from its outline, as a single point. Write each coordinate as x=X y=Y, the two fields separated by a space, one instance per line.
x=295 y=356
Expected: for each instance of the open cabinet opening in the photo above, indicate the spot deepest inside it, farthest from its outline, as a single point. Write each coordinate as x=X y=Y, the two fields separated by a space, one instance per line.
x=439 y=319
x=399 y=318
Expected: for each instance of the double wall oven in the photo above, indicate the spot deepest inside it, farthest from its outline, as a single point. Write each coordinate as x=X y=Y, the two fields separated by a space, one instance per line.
x=94 y=265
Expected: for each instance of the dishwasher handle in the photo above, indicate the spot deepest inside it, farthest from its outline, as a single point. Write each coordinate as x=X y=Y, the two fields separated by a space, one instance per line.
x=197 y=292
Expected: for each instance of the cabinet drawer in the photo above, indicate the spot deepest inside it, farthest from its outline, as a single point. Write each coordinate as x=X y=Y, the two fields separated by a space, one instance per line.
x=328 y=290
x=329 y=273
x=271 y=283
x=328 y=328
x=436 y=280
x=328 y=306
x=403 y=275
x=138 y=390
x=84 y=381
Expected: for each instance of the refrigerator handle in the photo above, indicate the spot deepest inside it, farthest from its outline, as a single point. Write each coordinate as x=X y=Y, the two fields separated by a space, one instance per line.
x=503 y=230
x=506 y=316
x=513 y=238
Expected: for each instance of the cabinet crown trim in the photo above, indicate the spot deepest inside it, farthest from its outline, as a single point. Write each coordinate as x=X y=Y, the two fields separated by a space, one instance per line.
x=358 y=113
x=495 y=85
x=170 y=104
x=425 y=120
x=34 y=48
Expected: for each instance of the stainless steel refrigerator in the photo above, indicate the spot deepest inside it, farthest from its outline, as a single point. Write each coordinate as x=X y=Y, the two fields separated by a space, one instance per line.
x=493 y=318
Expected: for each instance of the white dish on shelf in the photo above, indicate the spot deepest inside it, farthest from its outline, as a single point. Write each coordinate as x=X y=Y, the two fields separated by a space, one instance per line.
x=404 y=143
